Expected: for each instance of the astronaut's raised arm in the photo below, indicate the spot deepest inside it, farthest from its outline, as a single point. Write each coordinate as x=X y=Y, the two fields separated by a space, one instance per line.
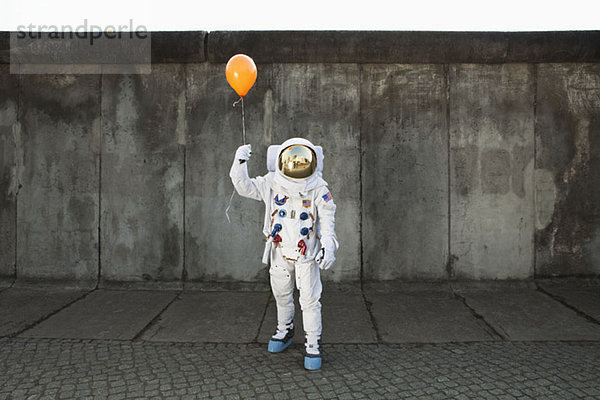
x=326 y=213
x=244 y=185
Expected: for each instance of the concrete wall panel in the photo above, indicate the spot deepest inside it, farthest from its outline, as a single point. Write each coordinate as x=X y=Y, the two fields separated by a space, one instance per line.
x=215 y=249
x=8 y=170
x=404 y=172
x=57 y=218
x=568 y=170
x=142 y=175
x=487 y=170
x=321 y=102
x=491 y=164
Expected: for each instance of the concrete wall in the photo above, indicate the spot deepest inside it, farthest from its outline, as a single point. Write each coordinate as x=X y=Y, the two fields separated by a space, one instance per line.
x=491 y=170
x=9 y=135
x=57 y=203
x=143 y=133
x=567 y=179
x=404 y=171
x=481 y=162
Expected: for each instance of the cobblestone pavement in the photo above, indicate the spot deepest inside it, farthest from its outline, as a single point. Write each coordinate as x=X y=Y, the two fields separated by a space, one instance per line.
x=69 y=368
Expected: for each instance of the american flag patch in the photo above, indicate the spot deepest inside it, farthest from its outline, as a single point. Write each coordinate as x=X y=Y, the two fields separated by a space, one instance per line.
x=327 y=197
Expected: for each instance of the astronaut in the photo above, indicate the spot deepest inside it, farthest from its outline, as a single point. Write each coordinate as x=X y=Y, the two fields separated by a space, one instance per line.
x=300 y=236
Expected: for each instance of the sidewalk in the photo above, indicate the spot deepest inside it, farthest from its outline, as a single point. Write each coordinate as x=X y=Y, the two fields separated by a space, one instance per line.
x=469 y=340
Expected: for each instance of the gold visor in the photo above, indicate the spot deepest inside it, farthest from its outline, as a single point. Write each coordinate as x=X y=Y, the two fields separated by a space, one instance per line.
x=297 y=161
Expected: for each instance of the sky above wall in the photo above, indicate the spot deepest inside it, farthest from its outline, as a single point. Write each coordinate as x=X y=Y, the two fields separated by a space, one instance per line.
x=421 y=15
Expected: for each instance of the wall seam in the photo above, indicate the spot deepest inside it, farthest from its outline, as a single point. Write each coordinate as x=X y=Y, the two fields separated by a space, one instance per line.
x=360 y=173
x=17 y=175
x=534 y=199
x=100 y=142
x=185 y=94
x=206 y=47
x=450 y=265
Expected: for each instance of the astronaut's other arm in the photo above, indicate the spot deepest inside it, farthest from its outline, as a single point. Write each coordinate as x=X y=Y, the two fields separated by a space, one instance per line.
x=329 y=242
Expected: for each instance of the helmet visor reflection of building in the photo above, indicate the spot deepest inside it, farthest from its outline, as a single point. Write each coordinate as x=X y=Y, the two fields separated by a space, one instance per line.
x=297 y=161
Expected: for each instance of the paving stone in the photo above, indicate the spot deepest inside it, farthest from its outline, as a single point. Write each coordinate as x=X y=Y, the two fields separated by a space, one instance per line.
x=583 y=298
x=432 y=316
x=22 y=307
x=230 y=317
x=105 y=314
x=521 y=314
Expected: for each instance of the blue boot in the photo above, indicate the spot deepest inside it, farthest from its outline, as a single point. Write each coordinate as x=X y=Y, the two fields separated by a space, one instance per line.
x=313 y=355
x=281 y=340
x=312 y=362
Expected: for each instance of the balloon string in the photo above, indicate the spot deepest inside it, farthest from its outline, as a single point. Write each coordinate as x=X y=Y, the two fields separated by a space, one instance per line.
x=229 y=206
x=244 y=140
x=243 y=123
x=235 y=103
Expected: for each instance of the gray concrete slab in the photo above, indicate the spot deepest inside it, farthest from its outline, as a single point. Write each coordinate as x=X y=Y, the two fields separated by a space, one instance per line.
x=529 y=315
x=491 y=164
x=344 y=316
x=21 y=307
x=215 y=249
x=584 y=298
x=404 y=144
x=8 y=170
x=321 y=102
x=58 y=201
x=407 y=47
x=568 y=170
x=433 y=316
x=224 y=317
x=104 y=314
x=144 y=133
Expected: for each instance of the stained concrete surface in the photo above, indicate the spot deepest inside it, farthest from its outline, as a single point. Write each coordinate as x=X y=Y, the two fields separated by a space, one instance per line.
x=344 y=314
x=527 y=314
x=582 y=297
x=143 y=160
x=379 y=313
x=429 y=316
x=8 y=171
x=404 y=172
x=491 y=164
x=225 y=317
x=142 y=175
x=21 y=308
x=568 y=163
x=57 y=216
x=104 y=314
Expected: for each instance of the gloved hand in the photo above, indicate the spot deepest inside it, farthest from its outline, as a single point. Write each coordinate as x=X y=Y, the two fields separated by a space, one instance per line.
x=326 y=256
x=243 y=153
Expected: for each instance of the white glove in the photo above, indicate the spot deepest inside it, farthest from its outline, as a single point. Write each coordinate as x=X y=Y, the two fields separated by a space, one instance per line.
x=243 y=153
x=326 y=256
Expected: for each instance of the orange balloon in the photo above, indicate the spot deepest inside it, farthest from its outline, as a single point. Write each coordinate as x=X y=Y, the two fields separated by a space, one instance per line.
x=241 y=73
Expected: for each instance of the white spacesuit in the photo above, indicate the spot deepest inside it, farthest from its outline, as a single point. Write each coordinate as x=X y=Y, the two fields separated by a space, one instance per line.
x=299 y=227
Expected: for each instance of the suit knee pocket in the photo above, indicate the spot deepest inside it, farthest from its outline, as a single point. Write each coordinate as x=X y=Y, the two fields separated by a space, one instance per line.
x=279 y=271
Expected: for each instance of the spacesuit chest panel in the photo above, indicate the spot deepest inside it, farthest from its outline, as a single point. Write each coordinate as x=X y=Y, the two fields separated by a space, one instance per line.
x=297 y=218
